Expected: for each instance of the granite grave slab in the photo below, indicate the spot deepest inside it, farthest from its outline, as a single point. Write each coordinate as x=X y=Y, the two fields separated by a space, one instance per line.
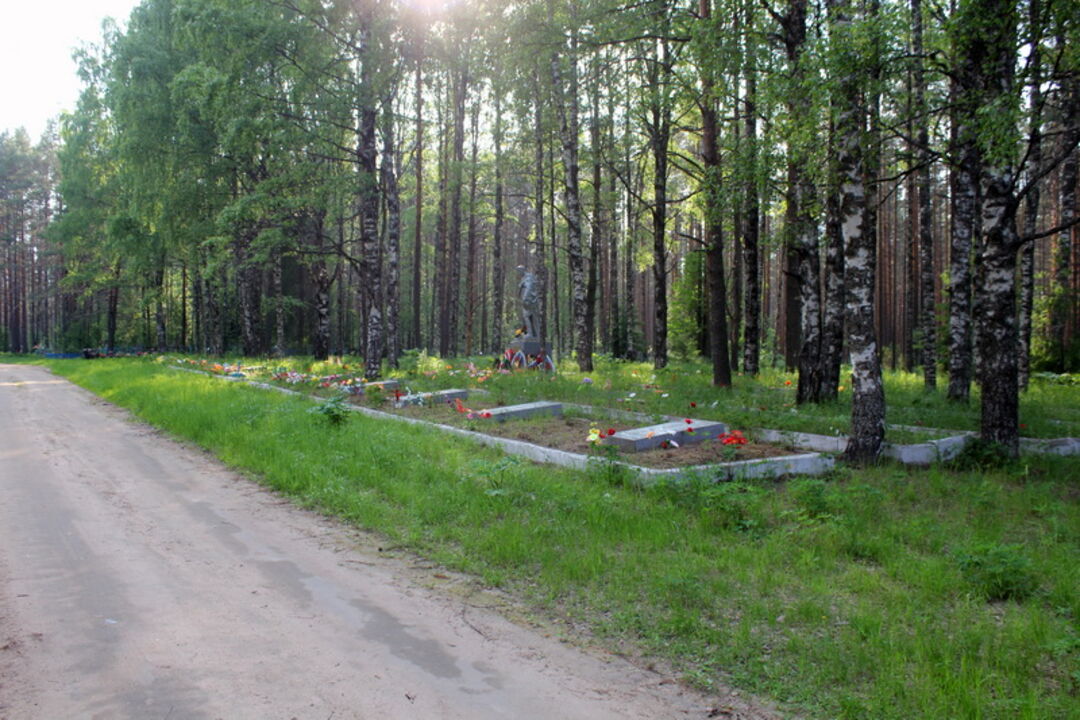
x=679 y=431
x=523 y=411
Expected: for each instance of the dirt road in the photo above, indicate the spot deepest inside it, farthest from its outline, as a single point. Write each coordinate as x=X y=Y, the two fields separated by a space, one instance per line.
x=141 y=579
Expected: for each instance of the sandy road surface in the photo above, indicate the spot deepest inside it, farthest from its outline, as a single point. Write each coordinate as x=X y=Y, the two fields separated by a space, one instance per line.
x=141 y=579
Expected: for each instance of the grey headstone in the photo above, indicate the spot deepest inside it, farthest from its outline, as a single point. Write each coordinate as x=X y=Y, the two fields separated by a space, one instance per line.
x=526 y=410
x=647 y=438
x=431 y=397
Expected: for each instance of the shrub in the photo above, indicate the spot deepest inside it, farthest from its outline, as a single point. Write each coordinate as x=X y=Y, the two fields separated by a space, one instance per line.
x=335 y=410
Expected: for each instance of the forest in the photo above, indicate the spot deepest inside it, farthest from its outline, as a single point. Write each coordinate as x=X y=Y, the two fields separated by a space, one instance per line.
x=846 y=184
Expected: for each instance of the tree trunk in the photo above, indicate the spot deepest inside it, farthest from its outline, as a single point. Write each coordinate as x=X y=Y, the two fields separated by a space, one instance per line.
x=393 y=236
x=963 y=194
x=471 y=243
x=1063 y=302
x=497 y=264
x=566 y=101
x=418 y=230
x=1031 y=207
x=714 y=228
x=537 y=263
x=440 y=308
x=987 y=61
x=832 y=325
x=596 y=234
x=460 y=82
x=751 y=213
x=159 y=310
x=113 y=307
x=322 y=281
x=276 y=272
x=927 y=321
x=868 y=394
x=370 y=270
x=247 y=289
x=801 y=297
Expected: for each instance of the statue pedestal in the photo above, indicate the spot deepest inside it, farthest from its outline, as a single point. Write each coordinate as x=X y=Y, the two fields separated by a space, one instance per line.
x=527 y=345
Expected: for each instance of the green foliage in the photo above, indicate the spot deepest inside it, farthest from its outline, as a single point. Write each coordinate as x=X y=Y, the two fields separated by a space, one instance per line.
x=428 y=364
x=687 y=312
x=335 y=410
x=998 y=572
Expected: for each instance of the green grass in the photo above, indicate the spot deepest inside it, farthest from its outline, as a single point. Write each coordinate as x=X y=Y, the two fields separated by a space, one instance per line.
x=846 y=597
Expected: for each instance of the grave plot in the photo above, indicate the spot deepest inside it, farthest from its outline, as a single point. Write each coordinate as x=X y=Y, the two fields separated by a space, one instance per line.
x=542 y=432
x=661 y=443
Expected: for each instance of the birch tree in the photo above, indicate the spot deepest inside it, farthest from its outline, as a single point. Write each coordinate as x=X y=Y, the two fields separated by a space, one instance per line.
x=868 y=394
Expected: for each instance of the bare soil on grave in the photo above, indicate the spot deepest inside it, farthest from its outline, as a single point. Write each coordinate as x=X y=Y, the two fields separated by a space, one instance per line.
x=570 y=432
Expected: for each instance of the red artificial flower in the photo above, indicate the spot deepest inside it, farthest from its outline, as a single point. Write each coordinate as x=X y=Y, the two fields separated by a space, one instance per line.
x=693 y=404
x=688 y=421
x=611 y=431
x=734 y=437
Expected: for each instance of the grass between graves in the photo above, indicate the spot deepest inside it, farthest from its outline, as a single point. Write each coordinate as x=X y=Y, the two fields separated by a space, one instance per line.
x=882 y=593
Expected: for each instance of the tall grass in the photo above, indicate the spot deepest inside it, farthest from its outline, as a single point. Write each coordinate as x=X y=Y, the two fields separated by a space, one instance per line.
x=839 y=597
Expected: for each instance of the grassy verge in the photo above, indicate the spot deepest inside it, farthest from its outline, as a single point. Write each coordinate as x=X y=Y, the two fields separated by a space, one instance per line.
x=887 y=593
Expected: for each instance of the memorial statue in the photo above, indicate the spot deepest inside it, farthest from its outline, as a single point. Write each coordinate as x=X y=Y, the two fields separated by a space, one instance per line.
x=525 y=350
x=529 y=293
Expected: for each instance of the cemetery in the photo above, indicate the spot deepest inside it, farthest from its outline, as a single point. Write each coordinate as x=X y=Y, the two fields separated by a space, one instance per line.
x=649 y=444
x=541 y=359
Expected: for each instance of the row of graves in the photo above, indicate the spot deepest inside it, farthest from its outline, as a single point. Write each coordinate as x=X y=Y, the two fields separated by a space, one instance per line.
x=576 y=435
x=651 y=446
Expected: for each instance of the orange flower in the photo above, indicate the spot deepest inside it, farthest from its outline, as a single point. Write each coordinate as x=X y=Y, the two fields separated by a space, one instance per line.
x=787 y=382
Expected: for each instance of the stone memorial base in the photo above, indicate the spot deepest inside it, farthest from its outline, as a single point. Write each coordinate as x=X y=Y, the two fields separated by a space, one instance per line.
x=527 y=345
